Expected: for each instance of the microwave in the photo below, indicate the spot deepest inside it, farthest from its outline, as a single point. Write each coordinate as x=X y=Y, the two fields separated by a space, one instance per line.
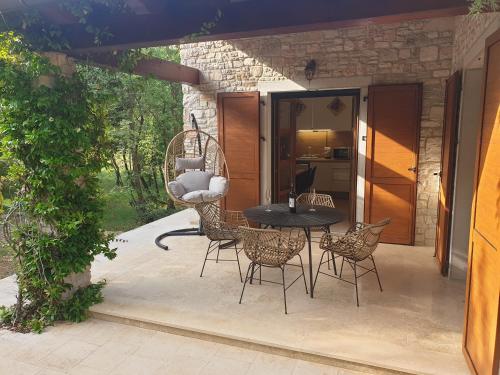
x=342 y=153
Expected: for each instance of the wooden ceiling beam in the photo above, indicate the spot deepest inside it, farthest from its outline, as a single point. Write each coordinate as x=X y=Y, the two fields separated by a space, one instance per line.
x=149 y=66
x=180 y=19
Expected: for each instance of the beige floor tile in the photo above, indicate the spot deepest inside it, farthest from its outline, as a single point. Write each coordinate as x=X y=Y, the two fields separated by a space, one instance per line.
x=225 y=366
x=185 y=365
x=48 y=371
x=84 y=370
x=68 y=355
x=13 y=367
x=308 y=368
x=109 y=356
x=135 y=365
x=272 y=364
x=235 y=353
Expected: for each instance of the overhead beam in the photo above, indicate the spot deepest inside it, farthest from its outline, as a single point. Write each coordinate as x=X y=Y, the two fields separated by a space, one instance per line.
x=180 y=19
x=149 y=66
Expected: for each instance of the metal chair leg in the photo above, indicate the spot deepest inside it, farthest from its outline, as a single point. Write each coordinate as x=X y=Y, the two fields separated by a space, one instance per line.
x=260 y=273
x=245 y=283
x=206 y=256
x=356 y=284
x=218 y=251
x=376 y=273
x=341 y=267
x=238 y=261
x=284 y=288
x=328 y=260
x=303 y=273
x=319 y=267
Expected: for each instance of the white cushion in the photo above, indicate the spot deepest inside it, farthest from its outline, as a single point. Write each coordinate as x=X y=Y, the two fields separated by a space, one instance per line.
x=218 y=184
x=189 y=163
x=176 y=189
x=201 y=196
x=195 y=180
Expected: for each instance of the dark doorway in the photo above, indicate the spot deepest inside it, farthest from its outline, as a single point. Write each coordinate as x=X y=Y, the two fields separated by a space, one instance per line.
x=315 y=145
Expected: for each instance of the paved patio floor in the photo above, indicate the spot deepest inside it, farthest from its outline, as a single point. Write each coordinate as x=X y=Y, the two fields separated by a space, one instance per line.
x=415 y=325
x=96 y=348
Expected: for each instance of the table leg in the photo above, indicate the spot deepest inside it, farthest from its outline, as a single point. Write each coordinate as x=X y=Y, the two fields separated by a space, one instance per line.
x=308 y=236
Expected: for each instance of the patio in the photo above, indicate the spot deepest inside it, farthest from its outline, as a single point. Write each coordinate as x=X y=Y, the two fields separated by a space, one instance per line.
x=414 y=326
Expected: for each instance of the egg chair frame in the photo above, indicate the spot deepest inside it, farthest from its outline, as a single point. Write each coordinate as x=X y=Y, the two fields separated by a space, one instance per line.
x=192 y=144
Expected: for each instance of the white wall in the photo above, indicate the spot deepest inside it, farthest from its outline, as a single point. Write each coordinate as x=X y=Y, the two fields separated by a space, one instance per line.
x=464 y=177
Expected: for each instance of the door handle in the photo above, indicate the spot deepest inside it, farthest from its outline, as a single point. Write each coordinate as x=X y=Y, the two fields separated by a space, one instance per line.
x=413 y=169
x=437 y=174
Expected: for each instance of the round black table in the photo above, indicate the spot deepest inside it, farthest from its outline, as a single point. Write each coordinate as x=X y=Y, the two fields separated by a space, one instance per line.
x=281 y=217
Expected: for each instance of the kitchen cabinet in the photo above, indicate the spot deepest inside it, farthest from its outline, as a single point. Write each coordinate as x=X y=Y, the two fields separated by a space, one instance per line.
x=332 y=175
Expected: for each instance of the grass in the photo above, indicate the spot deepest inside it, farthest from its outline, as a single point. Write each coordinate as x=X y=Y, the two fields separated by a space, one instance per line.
x=119 y=215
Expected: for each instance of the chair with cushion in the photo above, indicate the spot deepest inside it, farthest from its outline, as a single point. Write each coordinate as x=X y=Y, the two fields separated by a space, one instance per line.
x=195 y=171
x=355 y=246
x=221 y=228
x=271 y=249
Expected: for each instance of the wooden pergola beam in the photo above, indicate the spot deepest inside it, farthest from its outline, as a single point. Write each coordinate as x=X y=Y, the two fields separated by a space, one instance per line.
x=148 y=66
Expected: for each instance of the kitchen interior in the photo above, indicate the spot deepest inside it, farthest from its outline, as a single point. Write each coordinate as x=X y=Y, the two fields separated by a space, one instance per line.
x=315 y=145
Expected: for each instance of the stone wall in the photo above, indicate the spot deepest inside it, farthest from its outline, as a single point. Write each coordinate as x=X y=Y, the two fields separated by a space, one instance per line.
x=414 y=51
x=469 y=32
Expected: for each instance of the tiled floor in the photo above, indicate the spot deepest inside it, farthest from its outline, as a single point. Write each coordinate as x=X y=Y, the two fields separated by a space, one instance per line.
x=415 y=325
x=96 y=348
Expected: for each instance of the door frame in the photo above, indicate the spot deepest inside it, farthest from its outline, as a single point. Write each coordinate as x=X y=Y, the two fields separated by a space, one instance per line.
x=356 y=93
x=445 y=238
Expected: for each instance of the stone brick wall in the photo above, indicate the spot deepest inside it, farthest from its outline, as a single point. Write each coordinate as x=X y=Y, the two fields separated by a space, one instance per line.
x=414 y=51
x=469 y=31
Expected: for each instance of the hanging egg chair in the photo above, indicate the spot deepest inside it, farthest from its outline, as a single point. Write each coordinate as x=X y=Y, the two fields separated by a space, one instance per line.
x=195 y=172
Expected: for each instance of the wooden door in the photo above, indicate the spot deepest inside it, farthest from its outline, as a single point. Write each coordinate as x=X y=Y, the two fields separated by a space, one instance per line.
x=238 y=117
x=482 y=307
x=447 y=172
x=284 y=152
x=392 y=159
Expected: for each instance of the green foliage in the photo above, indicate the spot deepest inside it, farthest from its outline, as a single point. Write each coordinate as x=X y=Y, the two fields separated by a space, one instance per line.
x=481 y=6
x=143 y=115
x=56 y=135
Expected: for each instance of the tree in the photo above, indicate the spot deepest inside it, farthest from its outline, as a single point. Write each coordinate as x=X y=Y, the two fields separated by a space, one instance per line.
x=143 y=115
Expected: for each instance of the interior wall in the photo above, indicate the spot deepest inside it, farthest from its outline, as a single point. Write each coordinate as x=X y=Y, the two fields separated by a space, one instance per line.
x=316 y=110
x=464 y=177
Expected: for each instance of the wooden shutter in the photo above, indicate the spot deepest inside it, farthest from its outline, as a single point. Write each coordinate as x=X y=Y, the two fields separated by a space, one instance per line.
x=447 y=172
x=482 y=313
x=239 y=129
x=392 y=159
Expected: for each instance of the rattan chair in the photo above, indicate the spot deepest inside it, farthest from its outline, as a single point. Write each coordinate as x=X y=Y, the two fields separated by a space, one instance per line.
x=316 y=199
x=221 y=228
x=271 y=249
x=319 y=200
x=356 y=245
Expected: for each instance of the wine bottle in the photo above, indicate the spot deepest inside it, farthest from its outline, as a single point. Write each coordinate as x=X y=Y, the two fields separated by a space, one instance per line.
x=292 y=200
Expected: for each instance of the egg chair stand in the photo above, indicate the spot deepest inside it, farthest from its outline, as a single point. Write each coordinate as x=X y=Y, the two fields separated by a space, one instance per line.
x=195 y=171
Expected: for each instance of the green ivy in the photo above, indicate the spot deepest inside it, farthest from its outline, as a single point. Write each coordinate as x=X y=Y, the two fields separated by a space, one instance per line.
x=56 y=134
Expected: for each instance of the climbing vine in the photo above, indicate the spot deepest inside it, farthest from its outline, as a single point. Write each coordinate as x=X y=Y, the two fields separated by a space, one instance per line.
x=54 y=130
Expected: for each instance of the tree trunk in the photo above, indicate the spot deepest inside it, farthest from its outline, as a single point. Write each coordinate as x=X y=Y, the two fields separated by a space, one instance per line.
x=118 y=176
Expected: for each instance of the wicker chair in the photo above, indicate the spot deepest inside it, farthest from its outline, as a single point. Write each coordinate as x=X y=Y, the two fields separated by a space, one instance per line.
x=356 y=245
x=221 y=228
x=319 y=200
x=271 y=249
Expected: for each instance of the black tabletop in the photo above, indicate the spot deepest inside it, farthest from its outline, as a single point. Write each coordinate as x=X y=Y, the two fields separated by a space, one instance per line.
x=280 y=216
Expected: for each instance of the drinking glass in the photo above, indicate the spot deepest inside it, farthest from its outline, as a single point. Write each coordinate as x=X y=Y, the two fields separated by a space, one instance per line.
x=268 y=200
x=313 y=199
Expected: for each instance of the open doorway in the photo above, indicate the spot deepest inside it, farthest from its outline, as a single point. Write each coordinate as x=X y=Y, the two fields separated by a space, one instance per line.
x=315 y=145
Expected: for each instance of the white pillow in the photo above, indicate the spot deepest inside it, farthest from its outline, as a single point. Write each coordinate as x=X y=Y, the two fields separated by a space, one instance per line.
x=195 y=180
x=218 y=184
x=199 y=196
x=176 y=189
x=182 y=164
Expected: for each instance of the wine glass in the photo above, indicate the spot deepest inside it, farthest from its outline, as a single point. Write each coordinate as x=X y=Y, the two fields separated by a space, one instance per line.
x=268 y=200
x=313 y=199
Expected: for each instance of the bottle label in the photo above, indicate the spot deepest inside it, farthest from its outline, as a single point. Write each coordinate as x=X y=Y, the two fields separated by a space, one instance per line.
x=291 y=202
